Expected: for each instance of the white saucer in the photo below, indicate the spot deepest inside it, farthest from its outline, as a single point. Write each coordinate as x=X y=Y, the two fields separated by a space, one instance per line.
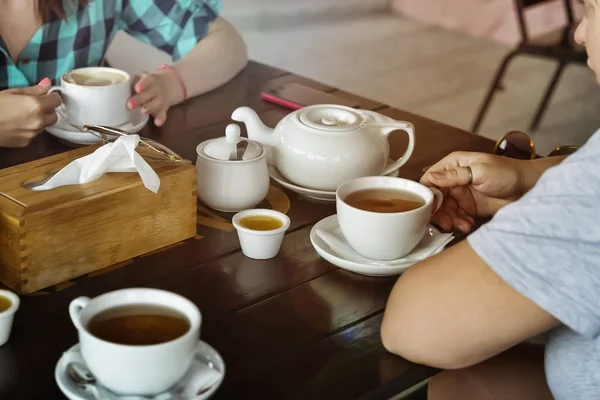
x=205 y=357
x=351 y=262
x=62 y=129
x=320 y=195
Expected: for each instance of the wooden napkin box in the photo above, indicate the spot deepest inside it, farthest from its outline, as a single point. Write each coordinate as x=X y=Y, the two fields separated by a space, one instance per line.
x=48 y=237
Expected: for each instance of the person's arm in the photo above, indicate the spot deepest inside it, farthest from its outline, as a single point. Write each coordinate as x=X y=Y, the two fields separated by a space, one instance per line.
x=538 y=167
x=496 y=181
x=533 y=265
x=207 y=51
x=453 y=311
x=214 y=61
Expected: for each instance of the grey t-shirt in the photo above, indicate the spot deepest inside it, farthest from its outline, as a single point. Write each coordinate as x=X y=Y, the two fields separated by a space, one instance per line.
x=547 y=247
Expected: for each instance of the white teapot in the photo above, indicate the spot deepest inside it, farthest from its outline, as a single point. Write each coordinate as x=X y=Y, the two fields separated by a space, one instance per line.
x=322 y=146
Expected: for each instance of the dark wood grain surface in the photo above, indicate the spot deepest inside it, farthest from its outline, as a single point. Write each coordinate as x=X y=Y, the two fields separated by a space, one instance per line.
x=294 y=327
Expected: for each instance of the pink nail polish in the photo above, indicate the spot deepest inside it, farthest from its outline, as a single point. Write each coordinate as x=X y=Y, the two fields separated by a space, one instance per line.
x=44 y=82
x=131 y=104
x=139 y=88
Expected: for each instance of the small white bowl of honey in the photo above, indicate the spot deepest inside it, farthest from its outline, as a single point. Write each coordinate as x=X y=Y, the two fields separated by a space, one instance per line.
x=261 y=232
x=9 y=304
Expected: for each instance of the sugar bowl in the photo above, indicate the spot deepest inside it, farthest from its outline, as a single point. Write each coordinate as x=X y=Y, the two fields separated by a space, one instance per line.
x=232 y=172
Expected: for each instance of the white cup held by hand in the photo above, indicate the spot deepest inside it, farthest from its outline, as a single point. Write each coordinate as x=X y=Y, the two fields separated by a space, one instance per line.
x=385 y=236
x=136 y=369
x=97 y=97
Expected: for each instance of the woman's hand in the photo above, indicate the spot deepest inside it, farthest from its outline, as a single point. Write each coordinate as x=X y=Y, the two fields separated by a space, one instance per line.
x=156 y=93
x=497 y=181
x=25 y=112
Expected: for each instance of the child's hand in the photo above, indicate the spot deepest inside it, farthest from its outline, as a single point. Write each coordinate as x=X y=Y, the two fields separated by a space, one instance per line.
x=155 y=94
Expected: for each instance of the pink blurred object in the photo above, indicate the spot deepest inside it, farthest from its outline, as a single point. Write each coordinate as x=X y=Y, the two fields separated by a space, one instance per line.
x=495 y=19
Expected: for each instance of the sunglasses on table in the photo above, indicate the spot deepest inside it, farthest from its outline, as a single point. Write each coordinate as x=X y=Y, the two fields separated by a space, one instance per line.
x=517 y=144
x=146 y=147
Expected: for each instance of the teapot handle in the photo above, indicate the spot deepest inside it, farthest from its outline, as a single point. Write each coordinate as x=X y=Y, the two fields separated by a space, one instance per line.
x=386 y=129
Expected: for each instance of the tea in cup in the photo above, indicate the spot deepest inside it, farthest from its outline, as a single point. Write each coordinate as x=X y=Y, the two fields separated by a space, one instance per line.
x=95 y=96
x=137 y=341
x=9 y=304
x=261 y=232
x=384 y=218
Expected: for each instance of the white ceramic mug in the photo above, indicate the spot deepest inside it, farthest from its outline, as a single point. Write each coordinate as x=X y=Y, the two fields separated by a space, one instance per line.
x=95 y=105
x=385 y=236
x=136 y=370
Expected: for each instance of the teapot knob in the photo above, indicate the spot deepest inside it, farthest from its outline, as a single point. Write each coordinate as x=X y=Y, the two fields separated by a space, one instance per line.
x=329 y=121
x=233 y=133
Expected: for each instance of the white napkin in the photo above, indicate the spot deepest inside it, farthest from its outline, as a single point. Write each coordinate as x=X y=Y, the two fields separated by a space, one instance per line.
x=117 y=156
x=432 y=241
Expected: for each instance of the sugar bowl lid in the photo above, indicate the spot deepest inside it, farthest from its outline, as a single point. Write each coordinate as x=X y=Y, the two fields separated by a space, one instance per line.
x=232 y=147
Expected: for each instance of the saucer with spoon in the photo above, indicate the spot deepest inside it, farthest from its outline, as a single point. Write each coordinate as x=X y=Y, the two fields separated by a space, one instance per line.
x=200 y=382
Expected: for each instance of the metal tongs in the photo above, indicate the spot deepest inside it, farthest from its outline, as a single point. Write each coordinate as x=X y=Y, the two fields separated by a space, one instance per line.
x=107 y=134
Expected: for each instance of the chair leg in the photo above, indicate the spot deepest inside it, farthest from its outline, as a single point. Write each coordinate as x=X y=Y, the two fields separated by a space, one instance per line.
x=496 y=85
x=547 y=96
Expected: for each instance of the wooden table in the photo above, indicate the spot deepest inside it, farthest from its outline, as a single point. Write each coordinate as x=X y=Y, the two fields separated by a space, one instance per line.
x=288 y=328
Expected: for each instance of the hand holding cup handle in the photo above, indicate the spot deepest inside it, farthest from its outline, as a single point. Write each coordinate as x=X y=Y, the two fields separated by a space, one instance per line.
x=60 y=109
x=59 y=91
x=75 y=309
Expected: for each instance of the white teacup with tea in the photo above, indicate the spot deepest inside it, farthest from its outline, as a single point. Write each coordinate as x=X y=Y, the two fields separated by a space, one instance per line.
x=9 y=304
x=95 y=96
x=137 y=341
x=384 y=218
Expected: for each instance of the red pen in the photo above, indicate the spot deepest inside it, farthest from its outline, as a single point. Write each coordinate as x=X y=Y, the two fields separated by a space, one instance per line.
x=279 y=101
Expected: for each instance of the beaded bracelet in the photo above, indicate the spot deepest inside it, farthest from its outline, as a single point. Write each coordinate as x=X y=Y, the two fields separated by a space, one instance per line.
x=169 y=68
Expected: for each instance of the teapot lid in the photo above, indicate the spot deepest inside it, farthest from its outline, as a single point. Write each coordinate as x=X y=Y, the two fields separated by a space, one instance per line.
x=331 y=118
x=227 y=148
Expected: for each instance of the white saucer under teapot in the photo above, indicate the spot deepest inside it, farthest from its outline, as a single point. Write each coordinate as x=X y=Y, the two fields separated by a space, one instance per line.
x=322 y=146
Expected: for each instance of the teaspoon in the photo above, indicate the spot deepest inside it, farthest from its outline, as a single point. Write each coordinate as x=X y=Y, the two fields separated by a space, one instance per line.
x=79 y=374
x=241 y=149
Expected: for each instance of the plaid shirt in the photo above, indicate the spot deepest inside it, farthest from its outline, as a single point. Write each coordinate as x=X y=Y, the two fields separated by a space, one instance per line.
x=81 y=40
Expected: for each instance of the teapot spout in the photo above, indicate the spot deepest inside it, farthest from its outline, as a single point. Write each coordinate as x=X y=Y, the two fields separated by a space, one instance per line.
x=257 y=131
